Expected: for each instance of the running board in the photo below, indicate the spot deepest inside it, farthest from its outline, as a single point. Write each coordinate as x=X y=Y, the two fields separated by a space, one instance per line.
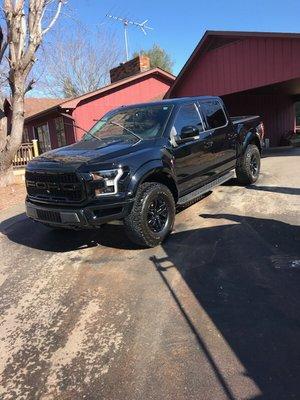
x=204 y=189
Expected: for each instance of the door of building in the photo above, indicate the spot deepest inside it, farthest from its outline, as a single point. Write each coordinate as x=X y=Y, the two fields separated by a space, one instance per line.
x=43 y=136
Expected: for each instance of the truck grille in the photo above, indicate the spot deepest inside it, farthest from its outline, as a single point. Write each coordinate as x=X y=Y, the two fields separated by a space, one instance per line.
x=55 y=187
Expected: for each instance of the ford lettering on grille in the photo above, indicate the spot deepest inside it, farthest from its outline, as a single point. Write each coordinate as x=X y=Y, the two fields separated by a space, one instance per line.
x=55 y=187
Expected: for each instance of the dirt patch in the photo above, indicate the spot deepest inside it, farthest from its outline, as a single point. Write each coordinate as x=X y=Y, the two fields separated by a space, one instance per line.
x=12 y=195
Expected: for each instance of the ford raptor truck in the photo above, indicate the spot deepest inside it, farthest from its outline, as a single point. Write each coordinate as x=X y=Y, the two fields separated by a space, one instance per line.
x=138 y=163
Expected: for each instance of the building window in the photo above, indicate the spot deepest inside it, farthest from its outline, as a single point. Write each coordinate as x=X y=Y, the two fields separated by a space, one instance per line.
x=60 y=131
x=43 y=137
x=297 y=112
x=25 y=138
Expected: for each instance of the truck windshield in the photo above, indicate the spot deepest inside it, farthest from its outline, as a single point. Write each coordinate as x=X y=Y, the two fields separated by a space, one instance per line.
x=138 y=123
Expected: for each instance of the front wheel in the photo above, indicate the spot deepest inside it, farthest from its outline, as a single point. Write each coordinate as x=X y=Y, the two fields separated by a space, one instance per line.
x=248 y=165
x=152 y=216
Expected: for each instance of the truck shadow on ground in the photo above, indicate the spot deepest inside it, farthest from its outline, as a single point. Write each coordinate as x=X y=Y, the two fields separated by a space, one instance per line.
x=275 y=189
x=246 y=277
x=26 y=232
x=20 y=229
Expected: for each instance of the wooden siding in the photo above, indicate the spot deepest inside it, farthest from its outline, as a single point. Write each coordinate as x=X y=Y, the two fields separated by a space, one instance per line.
x=249 y=64
x=146 y=88
x=277 y=112
x=142 y=90
x=50 y=120
x=242 y=65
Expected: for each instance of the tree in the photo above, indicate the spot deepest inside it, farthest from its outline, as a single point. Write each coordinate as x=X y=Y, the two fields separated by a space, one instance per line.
x=79 y=62
x=158 y=58
x=27 y=22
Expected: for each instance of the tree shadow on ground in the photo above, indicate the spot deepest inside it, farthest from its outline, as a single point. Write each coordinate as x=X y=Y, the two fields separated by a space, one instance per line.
x=245 y=277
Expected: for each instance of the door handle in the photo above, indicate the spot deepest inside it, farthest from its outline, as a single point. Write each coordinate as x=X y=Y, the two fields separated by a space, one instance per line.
x=208 y=144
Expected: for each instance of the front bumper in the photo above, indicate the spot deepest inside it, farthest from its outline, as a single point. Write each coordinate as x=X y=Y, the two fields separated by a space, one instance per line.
x=91 y=216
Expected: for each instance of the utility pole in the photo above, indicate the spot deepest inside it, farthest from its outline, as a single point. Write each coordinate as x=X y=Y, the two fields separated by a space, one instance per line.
x=126 y=22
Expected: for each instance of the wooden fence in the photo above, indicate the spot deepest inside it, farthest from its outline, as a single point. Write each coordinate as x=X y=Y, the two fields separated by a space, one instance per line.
x=26 y=153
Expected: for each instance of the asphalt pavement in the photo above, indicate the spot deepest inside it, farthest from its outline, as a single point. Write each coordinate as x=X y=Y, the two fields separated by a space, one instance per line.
x=211 y=314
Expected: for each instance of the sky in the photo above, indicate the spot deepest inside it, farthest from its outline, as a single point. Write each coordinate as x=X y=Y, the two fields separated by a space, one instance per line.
x=179 y=25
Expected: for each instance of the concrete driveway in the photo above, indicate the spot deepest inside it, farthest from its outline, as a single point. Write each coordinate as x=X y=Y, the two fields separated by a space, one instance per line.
x=212 y=314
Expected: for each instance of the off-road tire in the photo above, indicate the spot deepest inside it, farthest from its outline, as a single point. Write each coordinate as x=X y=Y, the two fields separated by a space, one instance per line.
x=136 y=223
x=244 y=166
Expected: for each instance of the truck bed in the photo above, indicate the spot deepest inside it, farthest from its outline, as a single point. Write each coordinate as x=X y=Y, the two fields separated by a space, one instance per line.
x=244 y=118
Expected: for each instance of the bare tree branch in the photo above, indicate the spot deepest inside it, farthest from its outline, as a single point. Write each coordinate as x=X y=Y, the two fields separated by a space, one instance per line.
x=24 y=35
x=55 y=17
x=3 y=45
x=76 y=64
x=30 y=85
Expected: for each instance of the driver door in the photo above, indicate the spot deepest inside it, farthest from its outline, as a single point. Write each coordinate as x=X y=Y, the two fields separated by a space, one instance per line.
x=192 y=158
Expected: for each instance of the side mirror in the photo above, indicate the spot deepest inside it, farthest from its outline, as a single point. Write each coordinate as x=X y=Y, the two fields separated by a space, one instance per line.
x=187 y=132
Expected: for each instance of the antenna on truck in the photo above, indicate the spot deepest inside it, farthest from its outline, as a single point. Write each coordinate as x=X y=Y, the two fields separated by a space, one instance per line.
x=126 y=22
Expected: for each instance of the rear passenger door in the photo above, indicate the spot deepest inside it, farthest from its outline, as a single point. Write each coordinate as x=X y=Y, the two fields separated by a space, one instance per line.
x=221 y=131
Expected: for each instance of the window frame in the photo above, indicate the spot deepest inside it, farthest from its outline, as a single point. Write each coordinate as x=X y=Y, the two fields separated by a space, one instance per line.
x=25 y=135
x=176 y=114
x=36 y=135
x=200 y=102
x=63 y=130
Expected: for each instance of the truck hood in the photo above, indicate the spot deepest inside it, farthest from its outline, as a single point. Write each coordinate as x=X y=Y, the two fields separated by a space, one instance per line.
x=93 y=151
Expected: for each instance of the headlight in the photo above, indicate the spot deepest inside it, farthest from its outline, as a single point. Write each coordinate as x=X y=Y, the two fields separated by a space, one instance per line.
x=106 y=181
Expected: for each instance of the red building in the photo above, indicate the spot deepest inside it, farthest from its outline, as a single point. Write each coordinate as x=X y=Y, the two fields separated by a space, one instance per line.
x=131 y=82
x=255 y=73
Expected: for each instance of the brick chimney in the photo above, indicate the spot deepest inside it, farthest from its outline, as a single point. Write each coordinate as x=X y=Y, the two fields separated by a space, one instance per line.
x=130 y=68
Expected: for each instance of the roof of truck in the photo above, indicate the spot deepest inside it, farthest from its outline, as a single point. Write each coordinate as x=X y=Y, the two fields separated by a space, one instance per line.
x=179 y=100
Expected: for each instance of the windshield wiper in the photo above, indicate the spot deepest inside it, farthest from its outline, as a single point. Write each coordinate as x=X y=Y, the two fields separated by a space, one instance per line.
x=94 y=136
x=84 y=130
x=123 y=127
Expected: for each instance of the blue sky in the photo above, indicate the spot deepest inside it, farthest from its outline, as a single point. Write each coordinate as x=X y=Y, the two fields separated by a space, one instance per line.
x=179 y=25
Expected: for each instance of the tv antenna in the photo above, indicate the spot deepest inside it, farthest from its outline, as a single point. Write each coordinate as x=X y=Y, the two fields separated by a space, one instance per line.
x=126 y=22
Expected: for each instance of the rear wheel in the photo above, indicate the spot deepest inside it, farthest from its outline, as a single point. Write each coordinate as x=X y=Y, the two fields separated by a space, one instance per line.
x=152 y=215
x=248 y=165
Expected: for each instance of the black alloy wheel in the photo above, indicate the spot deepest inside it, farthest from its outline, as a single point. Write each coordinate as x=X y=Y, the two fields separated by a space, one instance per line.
x=152 y=216
x=158 y=214
x=248 y=165
x=254 y=165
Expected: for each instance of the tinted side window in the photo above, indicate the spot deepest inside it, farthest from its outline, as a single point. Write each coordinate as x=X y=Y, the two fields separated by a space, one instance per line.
x=214 y=114
x=186 y=116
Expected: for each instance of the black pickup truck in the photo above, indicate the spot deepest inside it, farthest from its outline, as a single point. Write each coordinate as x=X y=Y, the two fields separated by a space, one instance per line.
x=141 y=161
